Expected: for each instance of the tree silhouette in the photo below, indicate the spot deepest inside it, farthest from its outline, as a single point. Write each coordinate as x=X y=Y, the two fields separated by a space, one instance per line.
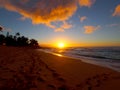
x=7 y=35
x=17 y=40
x=2 y=39
x=34 y=42
x=1 y=29
x=10 y=41
x=17 y=34
x=22 y=41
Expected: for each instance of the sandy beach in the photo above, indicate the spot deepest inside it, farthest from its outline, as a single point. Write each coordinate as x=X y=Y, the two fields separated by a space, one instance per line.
x=30 y=69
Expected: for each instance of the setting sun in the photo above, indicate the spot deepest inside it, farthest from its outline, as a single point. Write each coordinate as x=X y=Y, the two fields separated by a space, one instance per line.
x=61 y=45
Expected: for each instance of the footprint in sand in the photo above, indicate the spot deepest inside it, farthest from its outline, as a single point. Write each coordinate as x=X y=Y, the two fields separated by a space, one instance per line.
x=55 y=74
x=90 y=83
x=61 y=79
x=40 y=79
x=51 y=87
x=63 y=87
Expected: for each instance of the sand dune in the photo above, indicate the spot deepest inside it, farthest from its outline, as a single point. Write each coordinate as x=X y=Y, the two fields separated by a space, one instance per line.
x=29 y=69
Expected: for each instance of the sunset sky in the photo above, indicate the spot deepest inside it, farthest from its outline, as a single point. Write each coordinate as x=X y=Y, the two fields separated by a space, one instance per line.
x=74 y=22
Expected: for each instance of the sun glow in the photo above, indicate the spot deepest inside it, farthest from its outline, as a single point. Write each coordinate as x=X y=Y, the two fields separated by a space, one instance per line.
x=61 y=45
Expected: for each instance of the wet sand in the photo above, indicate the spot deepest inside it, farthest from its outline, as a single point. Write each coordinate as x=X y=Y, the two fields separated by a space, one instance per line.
x=29 y=69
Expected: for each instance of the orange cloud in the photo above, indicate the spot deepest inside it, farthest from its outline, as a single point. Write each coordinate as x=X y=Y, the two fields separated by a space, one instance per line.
x=86 y=3
x=83 y=18
x=63 y=27
x=91 y=29
x=117 y=11
x=59 y=30
x=42 y=11
x=46 y=11
x=66 y=25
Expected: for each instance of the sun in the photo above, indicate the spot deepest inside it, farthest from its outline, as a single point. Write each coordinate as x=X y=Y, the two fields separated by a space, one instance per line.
x=61 y=45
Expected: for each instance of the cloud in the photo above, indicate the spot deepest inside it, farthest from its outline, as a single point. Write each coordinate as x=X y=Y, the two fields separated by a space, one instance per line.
x=5 y=29
x=86 y=3
x=59 y=30
x=91 y=29
x=66 y=25
x=83 y=18
x=116 y=11
x=63 y=27
x=42 y=11
x=45 y=11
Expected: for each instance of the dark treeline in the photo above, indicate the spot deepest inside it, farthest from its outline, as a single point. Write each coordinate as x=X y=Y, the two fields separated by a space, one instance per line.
x=17 y=40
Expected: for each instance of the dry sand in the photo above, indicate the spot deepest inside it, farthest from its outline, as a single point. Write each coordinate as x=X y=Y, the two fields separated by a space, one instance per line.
x=29 y=69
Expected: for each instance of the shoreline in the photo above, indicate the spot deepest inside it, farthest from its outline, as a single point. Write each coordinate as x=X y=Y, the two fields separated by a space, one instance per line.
x=67 y=60
x=28 y=69
x=84 y=59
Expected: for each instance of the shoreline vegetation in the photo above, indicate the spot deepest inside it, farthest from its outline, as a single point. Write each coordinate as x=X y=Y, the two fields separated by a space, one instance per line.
x=22 y=68
x=17 y=40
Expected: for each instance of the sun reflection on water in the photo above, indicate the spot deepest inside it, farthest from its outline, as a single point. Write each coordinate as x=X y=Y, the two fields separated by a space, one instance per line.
x=59 y=55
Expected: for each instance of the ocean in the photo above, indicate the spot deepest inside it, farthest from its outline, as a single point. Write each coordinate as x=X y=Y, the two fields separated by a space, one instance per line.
x=103 y=56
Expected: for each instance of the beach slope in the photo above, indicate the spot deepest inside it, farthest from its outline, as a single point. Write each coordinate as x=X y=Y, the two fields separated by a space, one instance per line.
x=31 y=69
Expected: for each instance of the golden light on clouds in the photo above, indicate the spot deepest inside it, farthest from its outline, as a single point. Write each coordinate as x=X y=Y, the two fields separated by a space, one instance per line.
x=43 y=11
x=117 y=11
x=64 y=26
x=83 y=18
x=59 y=30
x=91 y=29
x=46 y=11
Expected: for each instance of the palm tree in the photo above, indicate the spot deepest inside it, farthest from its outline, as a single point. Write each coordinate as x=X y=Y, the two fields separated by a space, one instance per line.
x=2 y=39
x=33 y=42
x=17 y=34
x=7 y=35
